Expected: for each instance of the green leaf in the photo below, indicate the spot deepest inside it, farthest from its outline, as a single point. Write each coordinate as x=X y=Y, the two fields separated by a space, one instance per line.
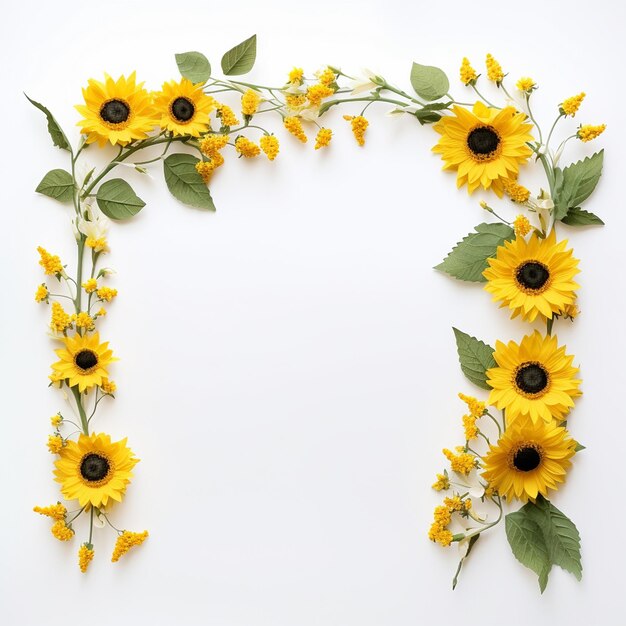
x=560 y=535
x=577 y=182
x=57 y=184
x=58 y=136
x=240 y=59
x=429 y=82
x=528 y=544
x=579 y=447
x=117 y=200
x=426 y=117
x=579 y=217
x=185 y=183
x=194 y=66
x=468 y=259
x=475 y=356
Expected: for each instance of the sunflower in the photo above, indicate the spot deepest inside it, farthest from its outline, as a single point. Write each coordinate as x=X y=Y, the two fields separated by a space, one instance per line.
x=534 y=379
x=116 y=111
x=485 y=147
x=529 y=459
x=83 y=361
x=94 y=470
x=183 y=108
x=533 y=278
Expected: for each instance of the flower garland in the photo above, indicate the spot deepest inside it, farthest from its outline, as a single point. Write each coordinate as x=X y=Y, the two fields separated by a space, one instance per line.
x=533 y=383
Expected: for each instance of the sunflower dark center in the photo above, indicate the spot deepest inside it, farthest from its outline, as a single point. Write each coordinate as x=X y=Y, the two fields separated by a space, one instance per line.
x=483 y=140
x=531 y=378
x=526 y=459
x=94 y=467
x=86 y=359
x=183 y=109
x=532 y=275
x=115 y=111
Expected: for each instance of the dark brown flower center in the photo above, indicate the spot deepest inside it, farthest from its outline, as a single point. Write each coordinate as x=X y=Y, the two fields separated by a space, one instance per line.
x=531 y=378
x=94 y=467
x=115 y=111
x=483 y=140
x=526 y=459
x=183 y=109
x=532 y=275
x=86 y=359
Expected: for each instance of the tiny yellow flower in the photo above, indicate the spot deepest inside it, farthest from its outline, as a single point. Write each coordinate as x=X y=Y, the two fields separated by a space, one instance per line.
x=101 y=312
x=226 y=114
x=51 y=263
x=494 y=70
x=517 y=193
x=108 y=386
x=570 y=106
x=295 y=101
x=522 y=226
x=84 y=320
x=476 y=407
x=571 y=311
x=326 y=77
x=246 y=148
x=323 y=137
x=59 y=319
x=468 y=73
x=213 y=143
x=443 y=482
x=85 y=556
x=205 y=169
x=316 y=93
x=469 y=427
x=296 y=76
x=55 y=443
x=462 y=463
x=90 y=285
x=98 y=245
x=61 y=531
x=42 y=293
x=359 y=126
x=55 y=511
x=106 y=293
x=269 y=145
x=294 y=126
x=250 y=103
x=56 y=420
x=454 y=504
x=526 y=84
x=588 y=132
x=125 y=542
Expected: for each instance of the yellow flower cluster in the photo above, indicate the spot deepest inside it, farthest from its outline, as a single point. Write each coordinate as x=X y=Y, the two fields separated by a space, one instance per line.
x=439 y=529
x=59 y=320
x=51 y=263
x=442 y=483
x=108 y=386
x=326 y=77
x=476 y=407
x=269 y=145
x=84 y=320
x=323 y=137
x=98 y=245
x=521 y=226
x=468 y=73
x=226 y=114
x=85 y=556
x=457 y=504
x=56 y=420
x=55 y=443
x=210 y=146
x=126 y=541
x=61 y=531
x=462 y=462
x=570 y=106
x=296 y=76
x=294 y=126
x=90 y=285
x=250 y=103
x=526 y=84
x=494 y=70
x=55 y=511
x=106 y=293
x=246 y=148
x=295 y=101
x=316 y=93
x=359 y=126
x=517 y=193
x=42 y=293
x=588 y=132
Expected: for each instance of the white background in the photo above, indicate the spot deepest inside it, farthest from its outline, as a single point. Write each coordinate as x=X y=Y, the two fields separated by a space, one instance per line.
x=288 y=374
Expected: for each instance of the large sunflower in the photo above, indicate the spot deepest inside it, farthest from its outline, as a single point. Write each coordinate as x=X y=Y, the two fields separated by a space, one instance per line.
x=529 y=459
x=534 y=277
x=94 y=470
x=534 y=379
x=83 y=361
x=116 y=111
x=183 y=108
x=485 y=147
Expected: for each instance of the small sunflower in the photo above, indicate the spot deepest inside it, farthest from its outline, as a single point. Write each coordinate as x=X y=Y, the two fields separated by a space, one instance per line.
x=116 y=111
x=533 y=277
x=485 y=146
x=529 y=459
x=183 y=108
x=94 y=470
x=83 y=361
x=535 y=379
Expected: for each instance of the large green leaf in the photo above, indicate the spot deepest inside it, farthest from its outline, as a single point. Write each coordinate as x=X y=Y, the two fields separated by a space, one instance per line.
x=194 y=66
x=117 y=199
x=468 y=259
x=58 y=136
x=57 y=184
x=430 y=83
x=579 y=217
x=475 y=356
x=185 y=183
x=576 y=183
x=528 y=544
x=240 y=59
x=560 y=535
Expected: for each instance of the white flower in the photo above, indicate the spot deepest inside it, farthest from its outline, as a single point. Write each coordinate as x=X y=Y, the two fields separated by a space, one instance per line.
x=95 y=226
x=366 y=82
x=310 y=114
x=400 y=110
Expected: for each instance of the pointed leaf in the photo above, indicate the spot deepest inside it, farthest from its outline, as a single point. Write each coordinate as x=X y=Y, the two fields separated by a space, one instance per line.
x=117 y=200
x=528 y=544
x=577 y=182
x=468 y=259
x=185 y=183
x=57 y=184
x=194 y=66
x=475 y=356
x=240 y=59
x=579 y=217
x=471 y=541
x=429 y=82
x=58 y=136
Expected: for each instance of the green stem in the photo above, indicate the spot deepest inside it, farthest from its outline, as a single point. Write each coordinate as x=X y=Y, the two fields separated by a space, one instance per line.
x=534 y=121
x=79 y=273
x=81 y=411
x=480 y=95
x=549 y=323
x=552 y=130
x=91 y=525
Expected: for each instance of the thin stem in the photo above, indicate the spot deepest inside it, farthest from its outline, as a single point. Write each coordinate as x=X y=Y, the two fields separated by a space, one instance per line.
x=109 y=522
x=81 y=411
x=91 y=525
x=480 y=95
x=552 y=130
x=495 y=421
x=534 y=121
x=549 y=323
x=68 y=522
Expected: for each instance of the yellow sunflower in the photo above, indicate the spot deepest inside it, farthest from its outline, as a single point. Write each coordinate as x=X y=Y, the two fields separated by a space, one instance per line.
x=485 y=146
x=83 y=361
x=529 y=459
x=94 y=469
x=533 y=277
x=534 y=379
x=116 y=111
x=183 y=108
